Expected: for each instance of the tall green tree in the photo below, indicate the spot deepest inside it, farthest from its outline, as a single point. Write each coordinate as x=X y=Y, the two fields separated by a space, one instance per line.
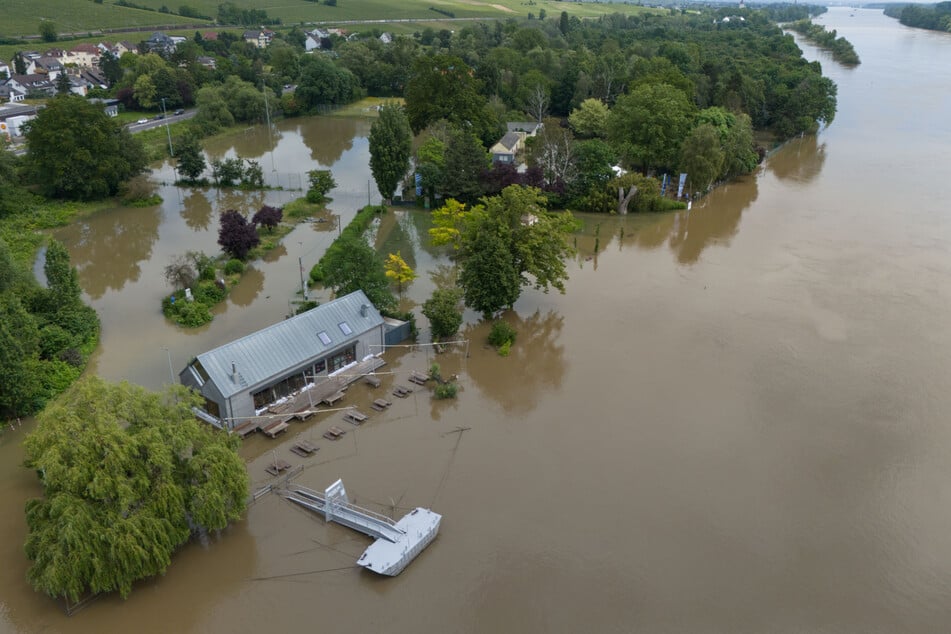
x=649 y=125
x=443 y=312
x=391 y=145
x=75 y=150
x=445 y=87
x=701 y=157
x=505 y=243
x=465 y=160
x=128 y=476
x=191 y=159
x=356 y=266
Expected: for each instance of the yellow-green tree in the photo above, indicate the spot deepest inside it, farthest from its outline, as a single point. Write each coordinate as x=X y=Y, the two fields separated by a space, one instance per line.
x=398 y=270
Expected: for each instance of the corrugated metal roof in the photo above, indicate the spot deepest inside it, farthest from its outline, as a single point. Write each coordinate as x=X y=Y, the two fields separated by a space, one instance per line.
x=270 y=352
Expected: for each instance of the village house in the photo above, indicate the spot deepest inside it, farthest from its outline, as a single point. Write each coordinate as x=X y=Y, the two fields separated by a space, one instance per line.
x=83 y=55
x=10 y=93
x=259 y=38
x=49 y=66
x=242 y=378
x=317 y=39
x=507 y=148
x=39 y=85
x=159 y=43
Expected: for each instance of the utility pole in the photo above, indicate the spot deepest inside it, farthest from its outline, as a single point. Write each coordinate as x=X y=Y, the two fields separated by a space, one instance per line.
x=171 y=372
x=169 y=132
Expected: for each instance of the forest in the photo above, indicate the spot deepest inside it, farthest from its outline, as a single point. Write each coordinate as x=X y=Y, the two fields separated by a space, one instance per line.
x=935 y=17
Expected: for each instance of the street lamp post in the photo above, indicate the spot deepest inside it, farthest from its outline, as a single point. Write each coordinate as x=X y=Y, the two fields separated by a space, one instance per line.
x=171 y=372
x=169 y=132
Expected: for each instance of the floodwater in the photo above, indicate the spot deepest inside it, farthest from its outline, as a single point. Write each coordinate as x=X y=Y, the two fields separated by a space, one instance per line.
x=736 y=419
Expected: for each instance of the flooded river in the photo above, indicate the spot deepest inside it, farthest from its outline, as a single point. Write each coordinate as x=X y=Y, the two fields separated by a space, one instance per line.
x=736 y=419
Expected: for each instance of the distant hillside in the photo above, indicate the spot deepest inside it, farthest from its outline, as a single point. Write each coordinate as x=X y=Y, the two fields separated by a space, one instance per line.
x=23 y=17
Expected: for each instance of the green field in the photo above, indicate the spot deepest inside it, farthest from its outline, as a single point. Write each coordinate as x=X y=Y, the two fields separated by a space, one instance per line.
x=22 y=17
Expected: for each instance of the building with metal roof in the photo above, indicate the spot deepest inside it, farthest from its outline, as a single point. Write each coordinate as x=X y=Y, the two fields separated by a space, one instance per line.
x=241 y=378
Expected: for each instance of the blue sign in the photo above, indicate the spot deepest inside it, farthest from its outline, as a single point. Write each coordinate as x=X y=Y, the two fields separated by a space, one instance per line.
x=663 y=185
x=419 y=184
x=680 y=185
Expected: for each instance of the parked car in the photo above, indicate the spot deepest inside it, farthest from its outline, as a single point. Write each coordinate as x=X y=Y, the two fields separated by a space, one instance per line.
x=179 y=111
x=158 y=117
x=141 y=121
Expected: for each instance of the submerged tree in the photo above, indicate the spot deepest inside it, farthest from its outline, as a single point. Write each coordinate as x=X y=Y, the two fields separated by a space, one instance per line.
x=506 y=242
x=236 y=235
x=398 y=270
x=128 y=476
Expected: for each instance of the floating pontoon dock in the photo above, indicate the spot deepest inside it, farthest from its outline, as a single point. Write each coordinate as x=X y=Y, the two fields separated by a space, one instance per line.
x=397 y=543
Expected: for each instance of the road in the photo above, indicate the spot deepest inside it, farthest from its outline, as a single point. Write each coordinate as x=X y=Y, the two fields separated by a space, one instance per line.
x=154 y=123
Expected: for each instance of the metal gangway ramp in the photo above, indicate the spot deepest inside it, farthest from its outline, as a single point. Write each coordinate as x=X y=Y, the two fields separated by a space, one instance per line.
x=336 y=507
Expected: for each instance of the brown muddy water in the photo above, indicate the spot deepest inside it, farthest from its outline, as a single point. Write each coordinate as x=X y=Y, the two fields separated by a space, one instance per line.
x=736 y=419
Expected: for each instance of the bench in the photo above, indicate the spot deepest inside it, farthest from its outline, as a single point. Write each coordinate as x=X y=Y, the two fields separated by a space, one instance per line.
x=380 y=404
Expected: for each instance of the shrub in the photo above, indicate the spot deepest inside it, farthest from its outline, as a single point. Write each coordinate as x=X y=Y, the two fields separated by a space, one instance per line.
x=501 y=334
x=208 y=293
x=445 y=390
x=53 y=340
x=505 y=349
x=234 y=267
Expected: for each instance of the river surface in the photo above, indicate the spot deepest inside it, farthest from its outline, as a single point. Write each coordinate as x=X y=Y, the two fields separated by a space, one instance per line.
x=736 y=419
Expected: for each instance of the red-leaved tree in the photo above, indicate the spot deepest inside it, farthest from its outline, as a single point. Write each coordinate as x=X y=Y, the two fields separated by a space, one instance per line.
x=237 y=236
x=268 y=217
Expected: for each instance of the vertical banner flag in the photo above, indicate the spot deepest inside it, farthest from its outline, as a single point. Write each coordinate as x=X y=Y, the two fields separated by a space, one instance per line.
x=663 y=185
x=419 y=184
x=680 y=185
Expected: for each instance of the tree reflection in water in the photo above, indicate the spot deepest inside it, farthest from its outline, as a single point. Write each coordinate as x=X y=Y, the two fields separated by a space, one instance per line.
x=196 y=210
x=108 y=247
x=535 y=366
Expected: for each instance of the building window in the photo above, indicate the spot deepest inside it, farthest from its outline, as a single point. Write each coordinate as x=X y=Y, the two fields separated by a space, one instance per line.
x=324 y=337
x=200 y=370
x=342 y=358
x=345 y=328
x=212 y=408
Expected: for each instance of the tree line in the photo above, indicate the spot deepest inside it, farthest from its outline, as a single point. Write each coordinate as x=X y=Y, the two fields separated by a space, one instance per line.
x=936 y=17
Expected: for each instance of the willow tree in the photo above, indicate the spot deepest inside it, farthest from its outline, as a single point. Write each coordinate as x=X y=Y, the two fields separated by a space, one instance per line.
x=128 y=476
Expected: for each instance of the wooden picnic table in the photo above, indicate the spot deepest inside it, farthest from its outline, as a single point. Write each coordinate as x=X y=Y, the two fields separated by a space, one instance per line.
x=402 y=391
x=304 y=448
x=334 y=433
x=418 y=378
x=277 y=466
x=372 y=379
x=380 y=404
x=333 y=398
x=355 y=417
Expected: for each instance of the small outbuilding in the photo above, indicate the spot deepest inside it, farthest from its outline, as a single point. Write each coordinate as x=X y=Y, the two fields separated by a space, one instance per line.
x=242 y=378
